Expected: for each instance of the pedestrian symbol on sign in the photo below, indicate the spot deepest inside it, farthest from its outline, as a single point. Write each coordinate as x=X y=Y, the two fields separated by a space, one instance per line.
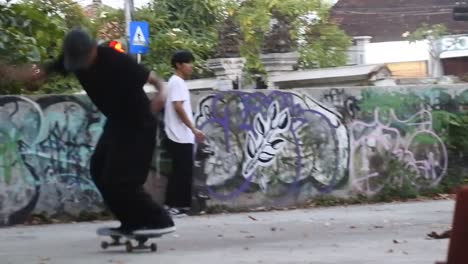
x=139 y=38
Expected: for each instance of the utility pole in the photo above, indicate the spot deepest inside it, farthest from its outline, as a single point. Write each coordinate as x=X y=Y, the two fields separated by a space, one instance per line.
x=128 y=11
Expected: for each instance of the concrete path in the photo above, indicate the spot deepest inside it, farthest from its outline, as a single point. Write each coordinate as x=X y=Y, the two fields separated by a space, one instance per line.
x=387 y=233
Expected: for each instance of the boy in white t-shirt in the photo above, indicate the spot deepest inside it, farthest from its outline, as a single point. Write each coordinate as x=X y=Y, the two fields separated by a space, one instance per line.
x=181 y=133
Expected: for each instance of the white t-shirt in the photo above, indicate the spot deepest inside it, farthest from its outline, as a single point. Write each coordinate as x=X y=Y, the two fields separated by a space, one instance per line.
x=176 y=130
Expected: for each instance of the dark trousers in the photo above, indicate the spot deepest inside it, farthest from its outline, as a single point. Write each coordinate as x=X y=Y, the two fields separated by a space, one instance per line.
x=119 y=168
x=179 y=185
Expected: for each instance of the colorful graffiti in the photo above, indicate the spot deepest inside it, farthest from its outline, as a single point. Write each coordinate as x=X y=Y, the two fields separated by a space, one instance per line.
x=263 y=148
x=344 y=103
x=412 y=142
x=46 y=146
x=281 y=144
x=278 y=143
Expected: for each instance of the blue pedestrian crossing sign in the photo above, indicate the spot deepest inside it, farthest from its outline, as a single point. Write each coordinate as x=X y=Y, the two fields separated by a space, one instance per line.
x=139 y=36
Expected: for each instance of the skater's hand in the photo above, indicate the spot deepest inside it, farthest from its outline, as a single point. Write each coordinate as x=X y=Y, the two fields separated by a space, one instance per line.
x=30 y=75
x=199 y=136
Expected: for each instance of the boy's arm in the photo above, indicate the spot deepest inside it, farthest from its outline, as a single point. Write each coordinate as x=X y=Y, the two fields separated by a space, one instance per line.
x=199 y=136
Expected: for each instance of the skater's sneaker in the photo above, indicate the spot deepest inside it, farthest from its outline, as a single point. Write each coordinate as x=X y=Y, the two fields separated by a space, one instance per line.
x=117 y=231
x=155 y=229
x=178 y=212
x=122 y=229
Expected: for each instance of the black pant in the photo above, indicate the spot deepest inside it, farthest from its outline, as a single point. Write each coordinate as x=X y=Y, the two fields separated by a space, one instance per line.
x=179 y=185
x=119 y=168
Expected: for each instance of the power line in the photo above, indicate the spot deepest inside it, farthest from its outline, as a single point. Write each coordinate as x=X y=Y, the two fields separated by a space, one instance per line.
x=422 y=12
x=396 y=7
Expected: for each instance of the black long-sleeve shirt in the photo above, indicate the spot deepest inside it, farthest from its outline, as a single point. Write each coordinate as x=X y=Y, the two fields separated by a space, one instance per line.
x=114 y=83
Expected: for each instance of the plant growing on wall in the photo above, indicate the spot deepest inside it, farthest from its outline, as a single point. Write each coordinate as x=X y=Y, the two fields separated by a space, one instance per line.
x=431 y=33
x=426 y=31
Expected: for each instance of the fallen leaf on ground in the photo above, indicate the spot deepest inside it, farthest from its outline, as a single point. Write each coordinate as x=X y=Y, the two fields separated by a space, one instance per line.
x=443 y=235
x=253 y=218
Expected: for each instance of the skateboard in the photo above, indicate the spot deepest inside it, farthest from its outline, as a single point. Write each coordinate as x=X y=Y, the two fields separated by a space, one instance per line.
x=118 y=236
x=199 y=191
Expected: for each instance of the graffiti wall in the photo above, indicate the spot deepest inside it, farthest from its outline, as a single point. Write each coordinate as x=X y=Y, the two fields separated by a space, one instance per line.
x=284 y=147
x=273 y=146
x=269 y=148
x=45 y=147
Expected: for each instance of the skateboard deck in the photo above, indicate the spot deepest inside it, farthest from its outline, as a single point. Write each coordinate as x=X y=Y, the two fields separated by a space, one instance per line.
x=116 y=237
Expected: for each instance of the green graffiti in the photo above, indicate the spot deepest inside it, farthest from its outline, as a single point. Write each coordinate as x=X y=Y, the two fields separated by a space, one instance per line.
x=425 y=139
x=9 y=156
x=401 y=103
x=437 y=95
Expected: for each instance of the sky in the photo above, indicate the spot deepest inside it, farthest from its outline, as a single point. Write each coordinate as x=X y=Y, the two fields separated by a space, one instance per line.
x=120 y=3
x=114 y=3
x=137 y=3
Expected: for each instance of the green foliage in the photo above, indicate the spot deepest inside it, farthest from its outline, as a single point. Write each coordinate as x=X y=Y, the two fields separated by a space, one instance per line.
x=320 y=41
x=403 y=104
x=35 y=28
x=457 y=133
x=254 y=20
x=106 y=15
x=391 y=192
x=426 y=31
x=324 y=44
x=331 y=200
x=431 y=33
x=60 y=84
x=187 y=24
x=17 y=33
x=32 y=31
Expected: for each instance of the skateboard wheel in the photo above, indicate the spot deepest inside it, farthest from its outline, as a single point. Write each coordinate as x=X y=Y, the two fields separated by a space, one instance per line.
x=104 y=245
x=153 y=247
x=128 y=246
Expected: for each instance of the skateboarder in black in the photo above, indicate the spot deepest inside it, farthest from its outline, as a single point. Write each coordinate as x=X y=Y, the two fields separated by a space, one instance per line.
x=121 y=161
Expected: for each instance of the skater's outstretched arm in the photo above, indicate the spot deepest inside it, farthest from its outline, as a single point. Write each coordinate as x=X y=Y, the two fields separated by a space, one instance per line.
x=154 y=80
x=160 y=98
x=32 y=75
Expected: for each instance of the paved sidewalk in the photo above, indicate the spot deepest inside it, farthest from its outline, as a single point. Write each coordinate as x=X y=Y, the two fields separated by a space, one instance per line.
x=387 y=233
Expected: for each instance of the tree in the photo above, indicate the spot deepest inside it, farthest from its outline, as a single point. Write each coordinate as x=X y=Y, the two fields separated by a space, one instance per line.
x=432 y=34
x=32 y=31
x=320 y=42
x=184 y=24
